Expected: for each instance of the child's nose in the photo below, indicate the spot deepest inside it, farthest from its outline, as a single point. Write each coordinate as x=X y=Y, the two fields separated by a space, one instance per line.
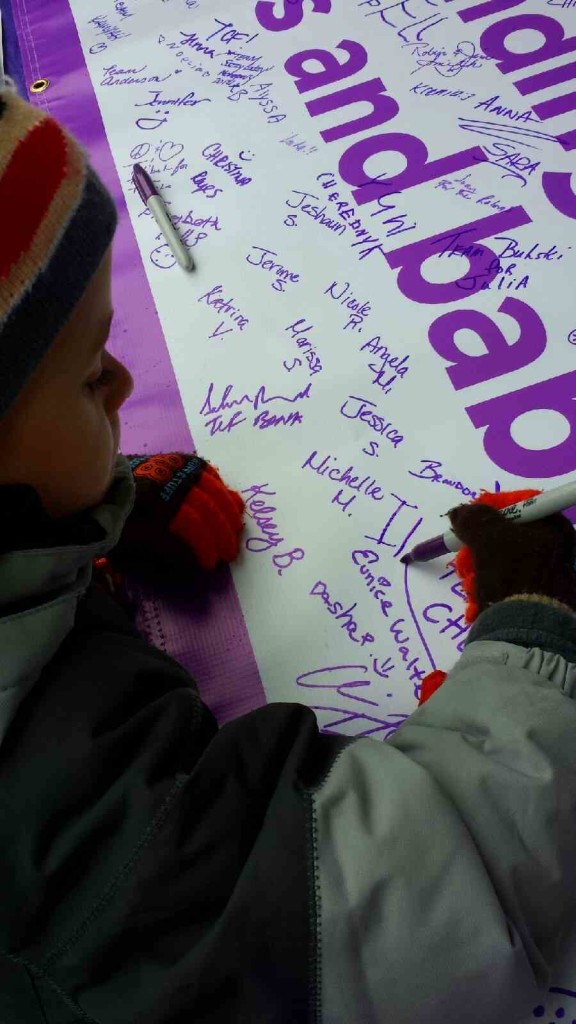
x=123 y=385
x=128 y=384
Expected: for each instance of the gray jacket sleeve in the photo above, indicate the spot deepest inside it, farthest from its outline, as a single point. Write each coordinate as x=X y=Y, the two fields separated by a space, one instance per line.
x=446 y=867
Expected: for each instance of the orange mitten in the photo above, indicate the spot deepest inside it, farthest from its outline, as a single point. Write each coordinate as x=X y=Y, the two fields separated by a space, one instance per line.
x=464 y=566
x=184 y=515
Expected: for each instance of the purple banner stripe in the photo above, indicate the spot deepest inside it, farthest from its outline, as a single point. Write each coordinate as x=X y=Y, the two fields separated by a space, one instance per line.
x=206 y=632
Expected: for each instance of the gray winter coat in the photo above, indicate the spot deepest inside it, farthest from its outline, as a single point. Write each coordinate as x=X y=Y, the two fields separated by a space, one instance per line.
x=157 y=870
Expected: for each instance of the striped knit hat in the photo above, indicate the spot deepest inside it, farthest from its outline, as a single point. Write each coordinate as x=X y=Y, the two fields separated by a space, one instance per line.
x=56 y=222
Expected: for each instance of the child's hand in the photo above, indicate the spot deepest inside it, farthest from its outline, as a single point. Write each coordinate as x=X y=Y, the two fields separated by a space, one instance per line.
x=517 y=558
x=184 y=514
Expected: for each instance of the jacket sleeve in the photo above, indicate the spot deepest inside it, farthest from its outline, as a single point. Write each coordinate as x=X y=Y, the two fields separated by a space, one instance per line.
x=155 y=868
x=445 y=857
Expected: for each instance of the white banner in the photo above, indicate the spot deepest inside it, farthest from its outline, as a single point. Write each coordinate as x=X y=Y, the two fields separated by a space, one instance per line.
x=381 y=318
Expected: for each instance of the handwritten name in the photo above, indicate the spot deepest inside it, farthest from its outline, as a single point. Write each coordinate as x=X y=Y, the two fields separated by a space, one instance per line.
x=464 y=57
x=260 y=257
x=300 y=332
x=356 y=408
x=400 y=365
x=269 y=537
x=214 y=299
x=358 y=310
x=377 y=585
x=111 y=32
x=228 y=400
x=343 y=616
x=431 y=471
x=216 y=156
x=349 y=477
x=189 y=100
x=112 y=73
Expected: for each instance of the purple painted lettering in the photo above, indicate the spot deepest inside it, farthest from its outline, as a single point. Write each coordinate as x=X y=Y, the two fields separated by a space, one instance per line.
x=555 y=107
x=384 y=108
x=290 y=17
x=494 y=39
x=417 y=170
x=567 y=140
x=546 y=79
x=486 y=9
x=332 y=71
x=499 y=414
x=482 y=262
x=557 y=189
x=499 y=356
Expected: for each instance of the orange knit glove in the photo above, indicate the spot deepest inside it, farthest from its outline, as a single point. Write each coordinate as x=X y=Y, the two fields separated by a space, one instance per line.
x=184 y=515
x=466 y=570
x=464 y=560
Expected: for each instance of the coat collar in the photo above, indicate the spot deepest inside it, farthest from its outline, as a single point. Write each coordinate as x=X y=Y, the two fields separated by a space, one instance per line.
x=45 y=568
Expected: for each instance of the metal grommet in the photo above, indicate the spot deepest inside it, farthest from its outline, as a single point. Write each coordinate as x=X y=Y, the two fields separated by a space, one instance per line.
x=40 y=85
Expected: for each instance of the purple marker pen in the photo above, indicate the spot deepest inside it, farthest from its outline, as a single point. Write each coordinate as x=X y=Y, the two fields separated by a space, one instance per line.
x=542 y=505
x=428 y=549
x=151 y=198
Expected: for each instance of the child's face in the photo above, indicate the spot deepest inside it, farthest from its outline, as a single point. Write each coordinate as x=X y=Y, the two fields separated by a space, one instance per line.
x=62 y=433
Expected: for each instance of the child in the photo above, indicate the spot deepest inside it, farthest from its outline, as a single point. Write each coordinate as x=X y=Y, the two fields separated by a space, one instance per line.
x=157 y=870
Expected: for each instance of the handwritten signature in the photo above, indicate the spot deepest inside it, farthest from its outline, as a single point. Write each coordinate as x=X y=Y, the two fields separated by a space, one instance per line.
x=414 y=25
x=346 y=681
x=448 y=64
x=524 y=137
